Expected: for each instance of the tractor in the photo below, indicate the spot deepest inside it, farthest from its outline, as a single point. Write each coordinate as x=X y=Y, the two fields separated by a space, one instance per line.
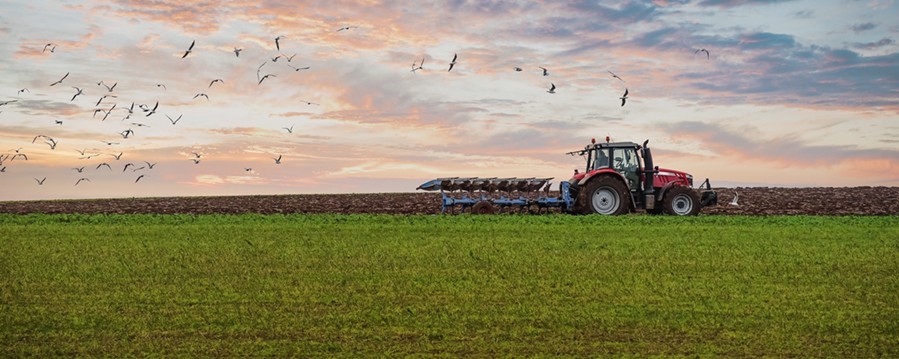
x=619 y=178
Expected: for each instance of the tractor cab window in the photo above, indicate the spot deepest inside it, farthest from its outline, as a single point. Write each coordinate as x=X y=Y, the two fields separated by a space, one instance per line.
x=627 y=164
x=600 y=159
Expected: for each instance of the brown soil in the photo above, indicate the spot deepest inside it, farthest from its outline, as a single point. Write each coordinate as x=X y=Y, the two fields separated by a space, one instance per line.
x=752 y=201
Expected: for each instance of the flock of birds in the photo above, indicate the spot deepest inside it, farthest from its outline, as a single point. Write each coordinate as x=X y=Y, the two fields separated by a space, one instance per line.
x=147 y=110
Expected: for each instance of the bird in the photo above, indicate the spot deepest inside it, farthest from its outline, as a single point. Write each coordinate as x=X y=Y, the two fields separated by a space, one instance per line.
x=289 y=129
x=103 y=98
x=46 y=46
x=189 y=49
x=299 y=68
x=152 y=110
x=126 y=133
x=278 y=42
x=196 y=161
x=117 y=156
x=345 y=28
x=126 y=166
x=51 y=142
x=175 y=120
x=58 y=122
x=40 y=182
x=290 y=58
x=80 y=92
x=4 y=103
x=60 y=80
x=138 y=178
x=453 y=63
x=545 y=71
x=130 y=111
x=82 y=179
x=702 y=50
x=275 y=59
x=615 y=76
x=109 y=88
x=163 y=86
x=104 y=164
x=277 y=160
x=78 y=169
x=248 y=169
x=150 y=164
x=3 y=169
x=414 y=68
x=237 y=52
x=18 y=155
x=517 y=69
x=109 y=111
x=552 y=88
x=309 y=103
x=197 y=155
x=216 y=80
x=265 y=77
x=624 y=98
x=109 y=143
x=733 y=202
x=203 y=95
x=23 y=90
x=35 y=139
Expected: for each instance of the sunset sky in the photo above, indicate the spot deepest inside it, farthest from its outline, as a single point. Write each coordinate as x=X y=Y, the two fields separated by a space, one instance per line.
x=792 y=93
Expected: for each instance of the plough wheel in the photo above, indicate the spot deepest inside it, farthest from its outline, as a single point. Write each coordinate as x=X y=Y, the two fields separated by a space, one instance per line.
x=483 y=207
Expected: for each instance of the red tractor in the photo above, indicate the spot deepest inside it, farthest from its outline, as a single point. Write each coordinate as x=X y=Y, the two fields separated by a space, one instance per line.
x=620 y=178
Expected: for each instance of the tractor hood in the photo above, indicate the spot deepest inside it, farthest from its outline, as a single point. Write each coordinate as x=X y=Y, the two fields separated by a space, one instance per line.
x=667 y=175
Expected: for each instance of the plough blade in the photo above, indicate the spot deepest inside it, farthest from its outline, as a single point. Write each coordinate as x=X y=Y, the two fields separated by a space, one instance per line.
x=487 y=192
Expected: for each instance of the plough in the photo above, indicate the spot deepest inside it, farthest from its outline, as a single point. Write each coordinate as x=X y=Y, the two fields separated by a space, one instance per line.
x=491 y=195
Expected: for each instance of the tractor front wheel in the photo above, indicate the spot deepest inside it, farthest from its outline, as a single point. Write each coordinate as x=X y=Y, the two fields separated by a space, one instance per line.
x=681 y=201
x=605 y=195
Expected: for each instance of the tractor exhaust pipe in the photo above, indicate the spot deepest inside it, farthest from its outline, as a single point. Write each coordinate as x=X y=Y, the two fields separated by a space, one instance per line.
x=649 y=171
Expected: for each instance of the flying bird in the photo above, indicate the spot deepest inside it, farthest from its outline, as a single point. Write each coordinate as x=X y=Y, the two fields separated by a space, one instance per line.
x=117 y=157
x=138 y=178
x=453 y=63
x=82 y=179
x=80 y=92
x=109 y=88
x=275 y=59
x=109 y=111
x=40 y=182
x=278 y=42
x=103 y=98
x=58 y=122
x=624 y=98
x=702 y=50
x=46 y=46
x=4 y=103
x=126 y=166
x=60 y=80
x=237 y=52
x=289 y=129
x=290 y=58
x=517 y=69
x=414 y=68
x=299 y=68
x=78 y=169
x=346 y=28
x=197 y=155
x=109 y=143
x=615 y=76
x=175 y=120
x=51 y=142
x=203 y=95
x=545 y=71
x=189 y=49
x=214 y=81
x=23 y=90
x=163 y=86
x=104 y=164
x=150 y=164
x=126 y=133
x=309 y=103
x=265 y=77
x=152 y=110
x=196 y=160
x=277 y=160
x=552 y=88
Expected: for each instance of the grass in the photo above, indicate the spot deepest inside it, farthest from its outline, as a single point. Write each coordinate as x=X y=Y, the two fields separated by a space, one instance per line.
x=360 y=285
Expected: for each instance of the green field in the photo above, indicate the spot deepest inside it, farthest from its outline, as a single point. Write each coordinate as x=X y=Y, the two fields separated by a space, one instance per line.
x=357 y=285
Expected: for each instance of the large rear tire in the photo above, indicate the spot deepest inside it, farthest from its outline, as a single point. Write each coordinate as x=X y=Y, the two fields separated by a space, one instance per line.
x=681 y=201
x=605 y=195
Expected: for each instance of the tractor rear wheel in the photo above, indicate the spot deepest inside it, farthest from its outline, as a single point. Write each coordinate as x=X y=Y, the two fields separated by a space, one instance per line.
x=681 y=201
x=483 y=207
x=605 y=195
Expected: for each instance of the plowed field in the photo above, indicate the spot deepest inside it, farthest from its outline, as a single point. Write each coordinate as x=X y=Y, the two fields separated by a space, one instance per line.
x=752 y=201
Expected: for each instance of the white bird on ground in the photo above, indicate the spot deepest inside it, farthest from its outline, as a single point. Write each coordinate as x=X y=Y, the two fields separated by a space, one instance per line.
x=733 y=202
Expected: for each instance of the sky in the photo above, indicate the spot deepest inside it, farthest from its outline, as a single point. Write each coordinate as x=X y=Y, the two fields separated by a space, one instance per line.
x=789 y=94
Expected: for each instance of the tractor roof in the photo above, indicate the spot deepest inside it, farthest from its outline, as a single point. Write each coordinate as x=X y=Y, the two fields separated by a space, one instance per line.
x=593 y=146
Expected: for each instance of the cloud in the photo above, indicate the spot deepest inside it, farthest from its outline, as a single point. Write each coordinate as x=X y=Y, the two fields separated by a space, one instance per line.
x=873 y=45
x=857 y=28
x=735 y=3
x=804 y=14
